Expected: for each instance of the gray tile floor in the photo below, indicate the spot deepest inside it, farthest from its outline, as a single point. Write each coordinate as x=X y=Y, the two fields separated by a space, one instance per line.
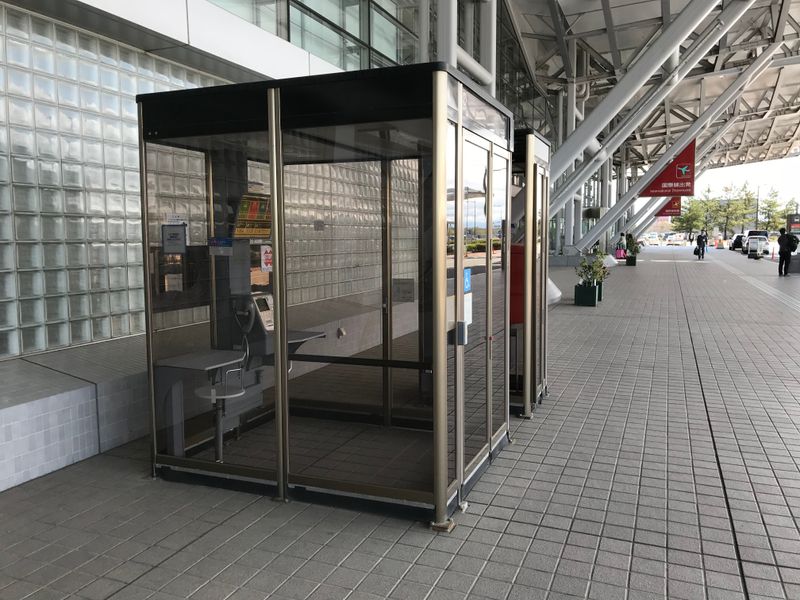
x=665 y=464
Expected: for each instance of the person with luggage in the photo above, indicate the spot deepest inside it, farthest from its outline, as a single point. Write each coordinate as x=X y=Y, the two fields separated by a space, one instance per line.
x=787 y=243
x=701 y=240
x=619 y=251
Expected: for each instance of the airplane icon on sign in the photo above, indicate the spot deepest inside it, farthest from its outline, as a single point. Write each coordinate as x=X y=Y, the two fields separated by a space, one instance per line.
x=683 y=170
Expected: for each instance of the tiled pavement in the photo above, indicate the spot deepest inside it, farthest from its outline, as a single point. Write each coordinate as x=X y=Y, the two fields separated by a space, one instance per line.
x=663 y=465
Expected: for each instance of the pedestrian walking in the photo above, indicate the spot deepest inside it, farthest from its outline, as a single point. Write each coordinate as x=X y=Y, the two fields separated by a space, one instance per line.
x=702 y=241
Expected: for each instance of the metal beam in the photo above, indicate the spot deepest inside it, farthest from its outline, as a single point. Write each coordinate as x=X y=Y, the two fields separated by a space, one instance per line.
x=714 y=111
x=616 y=58
x=561 y=34
x=662 y=47
x=645 y=106
x=780 y=22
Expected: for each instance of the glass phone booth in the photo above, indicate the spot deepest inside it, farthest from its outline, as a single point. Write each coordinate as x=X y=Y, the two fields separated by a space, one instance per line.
x=529 y=270
x=328 y=286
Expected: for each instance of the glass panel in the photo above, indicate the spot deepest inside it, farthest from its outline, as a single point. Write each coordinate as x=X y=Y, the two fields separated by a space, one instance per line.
x=258 y=12
x=474 y=232
x=343 y=13
x=212 y=336
x=392 y=40
x=354 y=418
x=321 y=40
x=499 y=272
x=480 y=116
x=451 y=301
x=539 y=286
x=404 y=11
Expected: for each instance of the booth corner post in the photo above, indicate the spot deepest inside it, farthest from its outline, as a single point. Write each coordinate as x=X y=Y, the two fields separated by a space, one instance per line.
x=148 y=301
x=279 y=293
x=543 y=317
x=528 y=383
x=441 y=521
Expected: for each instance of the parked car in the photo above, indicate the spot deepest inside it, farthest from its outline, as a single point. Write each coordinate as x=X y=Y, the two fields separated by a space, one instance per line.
x=754 y=233
x=676 y=239
x=652 y=238
x=736 y=242
x=756 y=246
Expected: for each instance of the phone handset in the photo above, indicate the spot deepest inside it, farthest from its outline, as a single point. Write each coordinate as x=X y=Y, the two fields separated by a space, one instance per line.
x=245 y=318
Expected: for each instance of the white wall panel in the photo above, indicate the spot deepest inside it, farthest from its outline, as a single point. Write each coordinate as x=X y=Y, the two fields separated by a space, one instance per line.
x=317 y=66
x=243 y=43
x=166 y=17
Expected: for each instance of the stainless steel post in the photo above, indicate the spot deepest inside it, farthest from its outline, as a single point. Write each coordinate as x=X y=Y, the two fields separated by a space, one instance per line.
x=279 y=294
x=439 y=273
x=148 y=293
x=528 y=383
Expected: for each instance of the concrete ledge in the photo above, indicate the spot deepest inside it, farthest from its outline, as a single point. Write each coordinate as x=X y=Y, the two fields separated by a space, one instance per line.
x=61 y=407
x=44 y=435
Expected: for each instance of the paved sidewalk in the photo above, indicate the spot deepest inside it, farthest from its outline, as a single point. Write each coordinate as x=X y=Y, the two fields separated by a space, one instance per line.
x=663 y=465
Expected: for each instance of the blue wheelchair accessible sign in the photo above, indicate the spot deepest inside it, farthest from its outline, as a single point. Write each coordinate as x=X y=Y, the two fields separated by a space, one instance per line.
x=467 y=280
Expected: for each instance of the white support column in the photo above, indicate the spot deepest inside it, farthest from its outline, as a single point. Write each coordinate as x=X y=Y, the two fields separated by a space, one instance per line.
x=572 y=121
x=651 y=207
x=713 y=112
x=450 y=52
x=622 y=183
x=644 y=224
x=559 y=215
x=447 y=31
x=469 y=28
x=645 y=106
x=605 y=195
x=424 y=28
x=569 y=225
x=488 y=15
x=640 y=72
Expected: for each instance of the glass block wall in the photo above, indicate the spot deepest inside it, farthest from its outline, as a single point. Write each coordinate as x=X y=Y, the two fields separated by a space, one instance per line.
x=334 y=227
x=70 y=223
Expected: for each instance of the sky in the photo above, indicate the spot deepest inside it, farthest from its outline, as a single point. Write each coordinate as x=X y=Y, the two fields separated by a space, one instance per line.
x=778 y=174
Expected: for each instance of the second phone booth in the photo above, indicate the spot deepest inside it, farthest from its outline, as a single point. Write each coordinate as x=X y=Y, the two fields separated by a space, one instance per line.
x=530 y=186
x=328 y=288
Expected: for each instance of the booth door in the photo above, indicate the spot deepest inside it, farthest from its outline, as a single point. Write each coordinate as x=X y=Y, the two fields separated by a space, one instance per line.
x=472 y=299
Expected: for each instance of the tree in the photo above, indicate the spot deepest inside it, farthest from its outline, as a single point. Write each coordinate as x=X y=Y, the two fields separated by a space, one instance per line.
x=747 y=208
x=709 y=209
x=791 y=208
x=730 y=210
x=771 y=211
x=693 y=215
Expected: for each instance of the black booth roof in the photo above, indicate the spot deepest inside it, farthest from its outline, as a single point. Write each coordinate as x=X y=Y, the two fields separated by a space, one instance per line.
x=520 y=158
x=373 y=95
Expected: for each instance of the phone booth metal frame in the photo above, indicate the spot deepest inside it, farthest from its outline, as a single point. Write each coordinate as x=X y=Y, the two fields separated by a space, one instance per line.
x=377 y=243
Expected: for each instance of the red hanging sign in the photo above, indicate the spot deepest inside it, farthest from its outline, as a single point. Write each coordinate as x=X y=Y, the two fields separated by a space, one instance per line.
x=671 y=208
x=677 y=179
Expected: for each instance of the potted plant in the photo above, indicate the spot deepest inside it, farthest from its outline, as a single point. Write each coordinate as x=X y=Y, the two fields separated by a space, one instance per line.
x=632 y=249
x=586 y=289
x=601 y=273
